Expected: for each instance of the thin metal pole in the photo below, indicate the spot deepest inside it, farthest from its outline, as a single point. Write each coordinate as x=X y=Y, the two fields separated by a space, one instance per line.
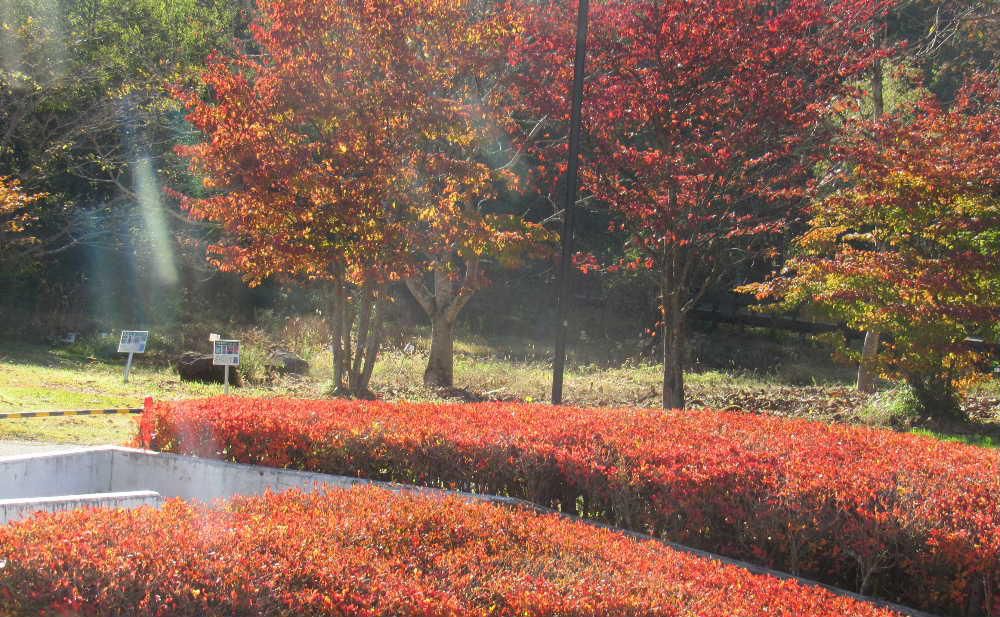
x=128 y=366
x=565 y=286
x=226 y=391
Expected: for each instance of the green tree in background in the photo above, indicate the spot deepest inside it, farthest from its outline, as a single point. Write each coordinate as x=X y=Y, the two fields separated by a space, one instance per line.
x=84 y=118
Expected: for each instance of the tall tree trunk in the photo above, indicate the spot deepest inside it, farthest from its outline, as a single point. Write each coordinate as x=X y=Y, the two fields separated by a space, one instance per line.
x=440 y=371
x=442 y=306
x=869 y=351
x=673 y=343
x=353 y=364
x=866 y=368
x=371 y=349
x=338 y=309
x=365 y=306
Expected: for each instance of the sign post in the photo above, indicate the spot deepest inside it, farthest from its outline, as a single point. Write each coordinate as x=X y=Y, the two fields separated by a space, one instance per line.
x=226 y=354
x=132 y=342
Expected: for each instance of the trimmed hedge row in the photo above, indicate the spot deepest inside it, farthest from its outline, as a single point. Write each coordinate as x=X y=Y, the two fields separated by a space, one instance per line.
x=369 y=552
x=908 y=518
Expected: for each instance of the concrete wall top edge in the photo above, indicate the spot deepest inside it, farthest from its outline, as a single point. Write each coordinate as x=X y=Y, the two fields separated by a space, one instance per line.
x=13 y=458
x=81 y=497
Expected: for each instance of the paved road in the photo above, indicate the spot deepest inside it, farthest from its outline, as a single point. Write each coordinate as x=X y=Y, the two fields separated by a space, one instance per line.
x=8 y=448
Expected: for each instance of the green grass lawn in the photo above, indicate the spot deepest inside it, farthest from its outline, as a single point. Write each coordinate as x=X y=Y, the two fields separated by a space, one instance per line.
x=82 y=430
x=36 y=378
x=983 y=441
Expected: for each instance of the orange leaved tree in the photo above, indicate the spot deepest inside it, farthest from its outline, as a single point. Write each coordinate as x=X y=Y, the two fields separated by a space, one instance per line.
x=345 y=145
x=910 y=243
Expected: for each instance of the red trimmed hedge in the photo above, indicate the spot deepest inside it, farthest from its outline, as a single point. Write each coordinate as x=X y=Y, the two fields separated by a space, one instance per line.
x=369 y=552
x=911 y=519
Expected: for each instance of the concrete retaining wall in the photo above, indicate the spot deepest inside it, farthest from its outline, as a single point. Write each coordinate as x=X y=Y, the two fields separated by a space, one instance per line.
x=111 y=469
x=16 y=509
x=50 y=474
x=187 y=477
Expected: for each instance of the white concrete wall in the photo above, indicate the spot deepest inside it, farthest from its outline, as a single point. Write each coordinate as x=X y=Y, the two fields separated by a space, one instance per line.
x=16 y=509
x=55 y=473
x=108 y=469
x=188 y=477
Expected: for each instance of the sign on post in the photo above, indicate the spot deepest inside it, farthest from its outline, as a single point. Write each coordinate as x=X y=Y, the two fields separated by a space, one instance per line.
x=226 y=354
x=132 y=342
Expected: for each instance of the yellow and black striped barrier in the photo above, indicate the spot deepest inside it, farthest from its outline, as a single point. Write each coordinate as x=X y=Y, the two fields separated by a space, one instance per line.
x=14 y=415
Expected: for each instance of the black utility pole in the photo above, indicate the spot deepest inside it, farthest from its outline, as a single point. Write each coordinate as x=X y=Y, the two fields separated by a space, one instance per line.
x=569 y=205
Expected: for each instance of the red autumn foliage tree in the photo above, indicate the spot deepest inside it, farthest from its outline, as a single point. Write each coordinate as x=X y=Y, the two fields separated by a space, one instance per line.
x=455 y=236
x=345 y=149
x=909 y=245
x=698 y=119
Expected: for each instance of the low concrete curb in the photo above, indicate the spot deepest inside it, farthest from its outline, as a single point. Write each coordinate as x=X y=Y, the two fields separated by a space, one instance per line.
x=15 y=509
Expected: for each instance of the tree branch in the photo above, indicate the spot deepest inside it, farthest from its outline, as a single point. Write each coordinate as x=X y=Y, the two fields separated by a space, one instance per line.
x=421 y=294
x=469 y=287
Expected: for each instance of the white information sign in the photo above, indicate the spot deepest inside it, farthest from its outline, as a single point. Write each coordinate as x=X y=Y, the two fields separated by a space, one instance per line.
x=226 y=353
x=133 y=341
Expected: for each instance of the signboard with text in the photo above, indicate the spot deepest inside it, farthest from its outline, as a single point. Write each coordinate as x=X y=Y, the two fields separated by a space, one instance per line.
x=226 y=353
x=133 y=341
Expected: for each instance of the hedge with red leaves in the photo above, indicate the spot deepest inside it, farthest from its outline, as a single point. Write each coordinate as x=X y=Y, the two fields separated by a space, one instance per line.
x=911 y=519
x=370 y=552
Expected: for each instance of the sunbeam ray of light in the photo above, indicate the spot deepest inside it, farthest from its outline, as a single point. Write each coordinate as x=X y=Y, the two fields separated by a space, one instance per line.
x=147 y=189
